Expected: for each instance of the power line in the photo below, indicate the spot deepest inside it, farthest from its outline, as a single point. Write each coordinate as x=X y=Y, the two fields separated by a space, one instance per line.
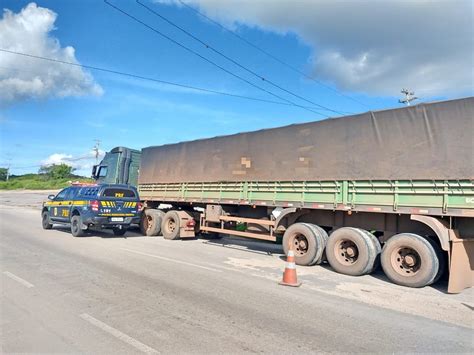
x=206 y=59
x=208 y=46
x=65 y=160
x=25 y=167
x=282 y=62
x=148 y=79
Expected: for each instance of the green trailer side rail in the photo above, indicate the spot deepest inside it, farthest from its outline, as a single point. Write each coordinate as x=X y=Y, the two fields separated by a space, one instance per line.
x=430 y=197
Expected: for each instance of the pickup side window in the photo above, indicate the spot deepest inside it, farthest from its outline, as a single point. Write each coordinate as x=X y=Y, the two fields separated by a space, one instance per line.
x=71 y=195
x=61 y=195
x=89 y=191
x=118 y=192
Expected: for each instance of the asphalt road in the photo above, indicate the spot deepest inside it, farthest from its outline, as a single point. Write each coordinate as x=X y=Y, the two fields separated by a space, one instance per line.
x=104 y=294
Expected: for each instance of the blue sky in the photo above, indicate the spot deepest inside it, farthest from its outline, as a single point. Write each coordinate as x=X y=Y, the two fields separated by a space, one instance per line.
x=136 y=113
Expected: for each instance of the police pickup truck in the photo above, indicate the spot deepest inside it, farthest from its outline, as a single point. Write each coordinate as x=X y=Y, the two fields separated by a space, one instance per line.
x=108 y=206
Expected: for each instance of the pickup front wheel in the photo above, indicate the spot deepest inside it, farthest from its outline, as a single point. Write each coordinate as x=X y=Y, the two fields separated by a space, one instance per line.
x=45 y=220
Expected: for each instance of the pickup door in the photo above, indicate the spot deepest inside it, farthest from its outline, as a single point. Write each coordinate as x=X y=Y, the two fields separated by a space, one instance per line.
x=59 y=210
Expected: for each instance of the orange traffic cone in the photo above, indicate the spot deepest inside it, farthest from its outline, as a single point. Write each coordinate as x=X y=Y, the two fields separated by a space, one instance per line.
x=289 y=275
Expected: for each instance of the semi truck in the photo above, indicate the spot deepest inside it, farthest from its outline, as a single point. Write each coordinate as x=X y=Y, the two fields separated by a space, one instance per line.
x=392 y=187
x=119 y=166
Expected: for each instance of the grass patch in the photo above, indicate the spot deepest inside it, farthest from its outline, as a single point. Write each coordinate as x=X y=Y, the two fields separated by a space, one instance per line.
x=39 y=182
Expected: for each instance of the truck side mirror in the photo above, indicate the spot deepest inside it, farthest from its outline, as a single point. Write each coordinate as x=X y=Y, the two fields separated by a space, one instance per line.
x=94 y=171
x=51 y=197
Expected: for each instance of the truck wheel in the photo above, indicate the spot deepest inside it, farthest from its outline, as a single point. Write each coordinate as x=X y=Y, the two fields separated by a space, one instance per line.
x=410 y=260
x=378 y=249
x=323 y=236
x=150 y=223
x=306 y=242
x=76 y=226
x=351 y=251
x=45 y=220
x=171 y=225
x=119 y=231
x=441 y=259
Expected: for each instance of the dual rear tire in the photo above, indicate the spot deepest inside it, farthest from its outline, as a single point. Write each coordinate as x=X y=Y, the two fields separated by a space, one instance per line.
x=407 y=259
x=308 y=242
x=350 y=251
x=353 y=251
x=150 y=223
x=155 y=222
x=411 y=260
x=170 y=225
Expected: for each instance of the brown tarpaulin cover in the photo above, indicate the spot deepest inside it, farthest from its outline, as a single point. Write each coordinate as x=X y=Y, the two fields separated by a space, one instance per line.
x=426 y=141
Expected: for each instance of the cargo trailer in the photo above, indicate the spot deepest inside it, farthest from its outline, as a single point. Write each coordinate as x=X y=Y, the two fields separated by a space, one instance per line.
x=394 y=187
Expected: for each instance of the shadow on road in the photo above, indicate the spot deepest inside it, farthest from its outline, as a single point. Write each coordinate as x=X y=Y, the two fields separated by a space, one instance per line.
x=246 y=245
x=440 y=286
x=105 y=233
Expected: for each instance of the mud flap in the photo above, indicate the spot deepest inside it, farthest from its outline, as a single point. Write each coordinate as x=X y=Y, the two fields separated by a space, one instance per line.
x=186 y=225
x=461 y=264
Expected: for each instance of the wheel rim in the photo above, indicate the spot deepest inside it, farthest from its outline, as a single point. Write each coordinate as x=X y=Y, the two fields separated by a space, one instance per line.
x=299 y=244
x=405 y=261
x=148 y=221
x=170 y=225
x=346 y=252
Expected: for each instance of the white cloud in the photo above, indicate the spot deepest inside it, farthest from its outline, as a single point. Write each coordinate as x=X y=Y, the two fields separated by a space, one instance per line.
x=370 y=46
x=57 y=158
x=29 y=31
x=81 y=163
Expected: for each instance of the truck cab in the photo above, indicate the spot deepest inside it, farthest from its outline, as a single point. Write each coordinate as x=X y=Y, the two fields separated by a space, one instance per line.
x=119 y=166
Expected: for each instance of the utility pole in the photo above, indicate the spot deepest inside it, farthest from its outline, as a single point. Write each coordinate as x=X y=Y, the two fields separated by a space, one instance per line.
x=8 y=168
x=409 y=97
x=96 y=150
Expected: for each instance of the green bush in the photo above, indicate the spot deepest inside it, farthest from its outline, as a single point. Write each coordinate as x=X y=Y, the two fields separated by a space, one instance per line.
x=39 y=182
x=3 y=174
x=56 y=171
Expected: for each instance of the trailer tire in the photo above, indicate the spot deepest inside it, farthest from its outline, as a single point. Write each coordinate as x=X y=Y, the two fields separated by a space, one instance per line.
x=441 y=259
x=170 y=226
x=378 y=248
x=323 y=238
x=351 y=251
x=307 y=243
x=150 y=222
x=410 y=260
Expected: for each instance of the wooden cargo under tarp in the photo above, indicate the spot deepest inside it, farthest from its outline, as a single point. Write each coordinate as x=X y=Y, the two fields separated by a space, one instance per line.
x=426 y=141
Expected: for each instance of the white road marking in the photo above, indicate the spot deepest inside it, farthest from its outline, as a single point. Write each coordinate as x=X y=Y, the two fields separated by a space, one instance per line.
x=171 y=260
x=18 y=279
x=118 y=334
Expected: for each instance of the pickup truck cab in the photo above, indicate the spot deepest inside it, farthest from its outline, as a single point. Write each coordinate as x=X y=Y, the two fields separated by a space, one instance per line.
x=107 y=206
